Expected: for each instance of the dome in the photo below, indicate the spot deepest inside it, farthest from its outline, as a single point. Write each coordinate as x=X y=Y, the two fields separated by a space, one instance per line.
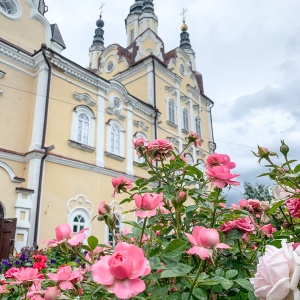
x=184 y=27
x=100 y=23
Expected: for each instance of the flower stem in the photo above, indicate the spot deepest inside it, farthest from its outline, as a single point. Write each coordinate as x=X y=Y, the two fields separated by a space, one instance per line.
x=143 y=230
x=201 y=267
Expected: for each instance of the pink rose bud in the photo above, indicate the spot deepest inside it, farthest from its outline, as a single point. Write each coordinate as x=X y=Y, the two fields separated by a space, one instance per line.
x=52 y=293
x=139 y=142
x=103 y=208
x=63 y=231
x=243 y=203
x=182 y=196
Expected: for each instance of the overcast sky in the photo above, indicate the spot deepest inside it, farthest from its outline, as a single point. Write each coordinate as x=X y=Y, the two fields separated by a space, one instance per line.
x=248 y=52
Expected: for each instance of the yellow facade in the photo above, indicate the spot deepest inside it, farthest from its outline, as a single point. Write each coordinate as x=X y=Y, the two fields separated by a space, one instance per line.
x=66 y=131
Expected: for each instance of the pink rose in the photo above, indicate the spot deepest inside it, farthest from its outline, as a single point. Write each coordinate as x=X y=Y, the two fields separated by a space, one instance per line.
x=194 y=138
x=278 y=273
x=254 y=205
x=293 y=206
x=139 y=142
x=204 y=240
x=268 y=230
x=295 y=246
x=119 y=272
x=159 y=149
x=243 y=224
x=52 y=293
x=103 y=208
x=121 y=184
x=3 y=289
x=147 y=204
x=216 y=159
x=66 y=277
x=220 y=176
x=280 y=193
x=10 y=273
x=64 y=234
x=27 y=274
x=243 y=203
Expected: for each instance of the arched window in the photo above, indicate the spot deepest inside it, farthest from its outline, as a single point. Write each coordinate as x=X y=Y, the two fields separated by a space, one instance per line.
x=115 y=138
x=1 y=212
x=185 y=119
x=11 y=8
x=83 y=124
x=79 y=219
x=118 y=225
x=201 y=167
x=83 y=128
x=190 y=159
x=198 y=125
x=171 y=111
x=137 y=158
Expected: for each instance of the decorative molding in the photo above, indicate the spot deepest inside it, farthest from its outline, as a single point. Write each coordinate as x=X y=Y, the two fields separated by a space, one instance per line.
x=17 y=55
x=173 y=140
x=141 y=124
x=196 y=107
x=185 y=99
x=118 y=87
x=1 y=92
x=2 y=73
x=35 y=14
x=139 y=105
x=141 y=39
x=193 y=91
x=172 y=124
x=171 y=90
x=130 y=72
x=11 y=173
x=114 y=156
x=81 y=146
x=201 y=153
x=80 y=74
x=80 y=202
x=116 y=111
x=212 y=146
x=84 y=97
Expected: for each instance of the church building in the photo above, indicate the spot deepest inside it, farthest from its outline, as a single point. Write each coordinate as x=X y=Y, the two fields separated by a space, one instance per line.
x=67 y=130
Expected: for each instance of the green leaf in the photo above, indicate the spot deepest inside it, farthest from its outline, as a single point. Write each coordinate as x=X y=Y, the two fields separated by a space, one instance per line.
x=175 y=270
x=219 y=272
x=246 y=284
x=231 y=273
x=191 y=208
x=92 y=242
x=297 y=169
x=275 y=206
x=175 y=248
x=251 y=296
x=200 y=294
x=235 y=234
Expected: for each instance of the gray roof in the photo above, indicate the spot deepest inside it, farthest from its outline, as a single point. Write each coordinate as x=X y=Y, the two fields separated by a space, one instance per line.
x=56 y=36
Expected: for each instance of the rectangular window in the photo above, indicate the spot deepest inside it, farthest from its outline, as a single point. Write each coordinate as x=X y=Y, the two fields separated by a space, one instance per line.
x=131 y=36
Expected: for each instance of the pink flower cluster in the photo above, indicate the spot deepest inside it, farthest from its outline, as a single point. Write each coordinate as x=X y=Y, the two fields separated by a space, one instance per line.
x=159 y=149
x=204 y=240
x=120 y=271
x=293 y=206
x=244 y=224
x=218 y=170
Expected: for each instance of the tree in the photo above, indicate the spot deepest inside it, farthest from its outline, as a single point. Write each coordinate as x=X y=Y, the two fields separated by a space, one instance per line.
x=258 y=191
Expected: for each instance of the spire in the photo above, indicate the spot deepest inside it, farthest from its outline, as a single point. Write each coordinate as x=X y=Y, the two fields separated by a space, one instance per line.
x=184 y=35
x=136 y=7
x=148 y=6
x=99 y=32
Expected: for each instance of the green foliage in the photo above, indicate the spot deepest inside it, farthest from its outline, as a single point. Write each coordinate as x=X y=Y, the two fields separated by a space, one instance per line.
x=258 y=191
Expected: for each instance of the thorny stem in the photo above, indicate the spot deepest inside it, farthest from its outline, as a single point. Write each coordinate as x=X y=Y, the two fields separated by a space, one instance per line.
x=242 y=259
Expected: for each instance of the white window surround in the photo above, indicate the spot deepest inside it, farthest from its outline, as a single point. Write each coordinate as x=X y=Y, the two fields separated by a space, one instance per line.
x=171 y=111
x=137 y=158
x=119 y=225
x=190 y=159
x=83 y=116
x=11 y=9
x=77 y=215
x=185 y=120
x=115 y=139
x=198 y=125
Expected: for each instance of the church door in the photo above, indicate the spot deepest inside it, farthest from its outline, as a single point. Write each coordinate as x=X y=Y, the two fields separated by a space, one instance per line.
x=7 y=237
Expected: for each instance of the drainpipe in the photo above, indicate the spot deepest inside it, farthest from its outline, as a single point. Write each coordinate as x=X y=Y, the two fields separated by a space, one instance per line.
x=39 y=193
x=154 y=98
x=211 y=126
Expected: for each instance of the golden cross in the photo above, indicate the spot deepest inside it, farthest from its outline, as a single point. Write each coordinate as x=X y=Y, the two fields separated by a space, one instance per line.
x=101 y=8
x=183 y=14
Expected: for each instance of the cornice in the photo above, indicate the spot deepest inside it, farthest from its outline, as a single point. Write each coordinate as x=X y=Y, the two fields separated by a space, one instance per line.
x=17 y=56
x=139 y=106
x=130 y=72
x=193 y=91
x=79 y=73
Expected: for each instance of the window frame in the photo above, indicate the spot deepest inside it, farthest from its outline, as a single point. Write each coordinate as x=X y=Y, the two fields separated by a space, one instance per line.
x=136 y=157
x=83 y=212
x=78 y=111
x=108 y=236
x=185 y=120
x=17 y=14
x=198 y=125
x=115 y=124
x=171 y=111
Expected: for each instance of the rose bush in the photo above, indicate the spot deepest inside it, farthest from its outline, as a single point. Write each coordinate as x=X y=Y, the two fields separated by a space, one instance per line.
x=187 y=244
